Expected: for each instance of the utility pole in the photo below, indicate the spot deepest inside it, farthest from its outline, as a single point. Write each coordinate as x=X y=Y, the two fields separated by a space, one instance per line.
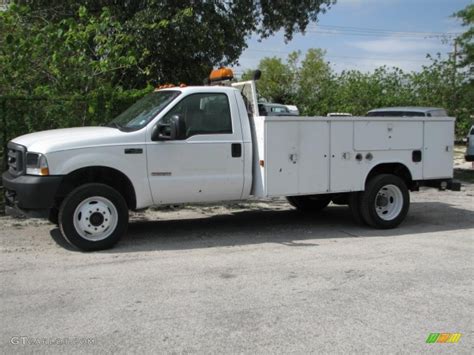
x=454 y=103
x=455 y=60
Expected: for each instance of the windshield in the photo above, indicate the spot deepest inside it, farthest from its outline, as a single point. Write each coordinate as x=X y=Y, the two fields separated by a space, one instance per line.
x=143 y=111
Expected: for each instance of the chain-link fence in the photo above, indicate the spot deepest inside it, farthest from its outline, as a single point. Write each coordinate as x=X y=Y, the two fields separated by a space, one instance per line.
x=26 y=114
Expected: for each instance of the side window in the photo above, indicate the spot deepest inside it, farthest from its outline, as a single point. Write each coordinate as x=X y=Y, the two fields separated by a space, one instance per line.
x=439 y=113
x=280 y=109
x=203 y=114
x=414 y=114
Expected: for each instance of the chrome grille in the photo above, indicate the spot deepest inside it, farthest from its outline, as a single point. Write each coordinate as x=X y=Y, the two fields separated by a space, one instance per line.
x=15 y=154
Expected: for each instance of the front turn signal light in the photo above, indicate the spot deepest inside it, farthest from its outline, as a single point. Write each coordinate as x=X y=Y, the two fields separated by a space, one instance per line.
x=36 y=164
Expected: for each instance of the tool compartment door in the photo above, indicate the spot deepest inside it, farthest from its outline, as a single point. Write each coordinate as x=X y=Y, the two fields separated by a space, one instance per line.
x=438 y=149
x=296 y=157
x=281 y=175
x=402 y=134
x=313 y=158
x=346 y=173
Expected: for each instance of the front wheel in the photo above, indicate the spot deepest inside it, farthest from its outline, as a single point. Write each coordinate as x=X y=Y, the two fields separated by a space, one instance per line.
x=385 y=201
x=93 y=217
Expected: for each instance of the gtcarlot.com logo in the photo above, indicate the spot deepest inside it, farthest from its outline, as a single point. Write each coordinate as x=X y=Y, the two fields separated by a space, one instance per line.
x=443 y=338
x=25 y=340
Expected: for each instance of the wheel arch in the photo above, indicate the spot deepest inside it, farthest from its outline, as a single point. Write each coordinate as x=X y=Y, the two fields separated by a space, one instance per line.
x=395 y=168
x=99 y=174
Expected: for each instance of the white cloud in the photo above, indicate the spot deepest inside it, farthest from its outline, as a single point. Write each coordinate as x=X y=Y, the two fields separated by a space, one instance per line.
x=396 y=45
x=407 y=54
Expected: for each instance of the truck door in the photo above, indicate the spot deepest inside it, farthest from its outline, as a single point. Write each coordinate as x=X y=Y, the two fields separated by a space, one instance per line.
x=207 y=163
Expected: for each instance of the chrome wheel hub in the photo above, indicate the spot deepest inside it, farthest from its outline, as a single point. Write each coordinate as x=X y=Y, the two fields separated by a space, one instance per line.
x=95 y=218
x=389 y=202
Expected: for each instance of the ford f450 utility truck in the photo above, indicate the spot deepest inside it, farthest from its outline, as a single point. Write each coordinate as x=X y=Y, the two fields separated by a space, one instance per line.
x=207 y=144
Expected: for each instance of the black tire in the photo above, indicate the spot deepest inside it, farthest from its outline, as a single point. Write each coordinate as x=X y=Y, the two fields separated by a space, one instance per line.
x=371 y=201
x=355 y=208
x=309 y=203
x=112 y=207
x=53 y=215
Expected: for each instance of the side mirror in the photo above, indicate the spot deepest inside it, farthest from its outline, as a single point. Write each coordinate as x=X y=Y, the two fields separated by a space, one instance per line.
x=256 y=75
x=175 y=130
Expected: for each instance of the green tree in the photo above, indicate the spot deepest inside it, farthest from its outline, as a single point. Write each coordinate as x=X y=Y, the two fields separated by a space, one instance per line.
x=60 y=58
x=354 y=93
x=317 y=90
x=442 y=84
x=315 y=84
x=359 y=92
x=465 y=92
x=306 y=83
x=277 y=82
x=81 y=62
x=61 y=74
x=180 y=41
x=466 y=39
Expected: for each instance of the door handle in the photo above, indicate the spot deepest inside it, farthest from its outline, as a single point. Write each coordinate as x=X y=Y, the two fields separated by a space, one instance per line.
x=236 y=149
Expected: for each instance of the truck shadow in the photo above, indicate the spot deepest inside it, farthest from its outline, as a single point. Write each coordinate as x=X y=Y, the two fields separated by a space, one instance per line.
x=288 y=227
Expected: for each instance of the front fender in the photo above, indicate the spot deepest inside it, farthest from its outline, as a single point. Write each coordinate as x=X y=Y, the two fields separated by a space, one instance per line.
x=131 y=165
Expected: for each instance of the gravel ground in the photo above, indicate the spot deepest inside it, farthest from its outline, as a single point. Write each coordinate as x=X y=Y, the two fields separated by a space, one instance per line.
x=249 y=278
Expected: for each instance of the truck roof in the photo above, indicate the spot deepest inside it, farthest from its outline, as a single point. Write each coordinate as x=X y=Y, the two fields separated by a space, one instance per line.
x=202 y=88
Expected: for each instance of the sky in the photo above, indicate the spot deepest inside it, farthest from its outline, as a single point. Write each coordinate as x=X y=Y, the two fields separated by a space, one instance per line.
x=366 y=34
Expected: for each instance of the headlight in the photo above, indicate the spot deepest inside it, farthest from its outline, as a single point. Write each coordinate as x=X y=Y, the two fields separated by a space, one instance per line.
x=36 y=164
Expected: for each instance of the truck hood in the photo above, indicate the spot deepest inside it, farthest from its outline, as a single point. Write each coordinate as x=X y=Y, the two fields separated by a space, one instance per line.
x=72 y=138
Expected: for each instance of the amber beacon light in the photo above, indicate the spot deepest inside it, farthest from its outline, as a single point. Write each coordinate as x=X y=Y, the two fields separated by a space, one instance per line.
x=221 y=74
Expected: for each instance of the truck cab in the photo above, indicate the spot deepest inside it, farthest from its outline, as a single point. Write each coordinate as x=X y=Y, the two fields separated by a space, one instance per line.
x=200 y=149
x=209 y=143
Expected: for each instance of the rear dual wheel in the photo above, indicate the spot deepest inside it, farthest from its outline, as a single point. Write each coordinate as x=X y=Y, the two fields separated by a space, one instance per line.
x=384 y=204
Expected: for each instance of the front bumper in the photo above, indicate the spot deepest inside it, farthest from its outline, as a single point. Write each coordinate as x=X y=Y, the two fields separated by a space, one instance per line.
x=26 y=192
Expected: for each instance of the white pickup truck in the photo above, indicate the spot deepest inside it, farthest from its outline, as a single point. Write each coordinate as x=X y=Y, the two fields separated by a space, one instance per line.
x=208 y=143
